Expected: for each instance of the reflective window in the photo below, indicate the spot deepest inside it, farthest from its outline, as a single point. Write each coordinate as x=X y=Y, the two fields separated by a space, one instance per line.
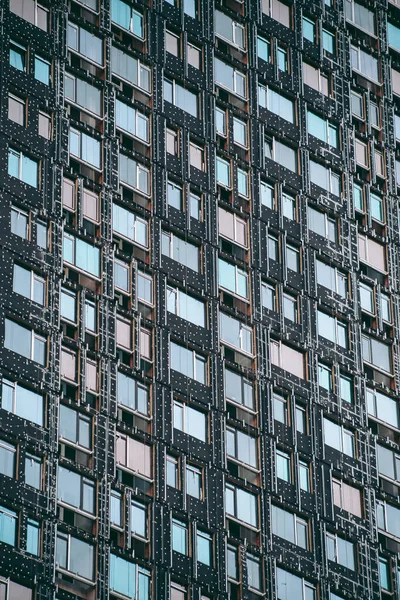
x=179 y=537
x=42 y=70
x=22 y=402
x=75 y=427
x=340 y=551
x=229 y=30
x=33 y=471
x=241 y=447
x=132 y=394
x=290 y=587
x=18 y=56
x=241 y=505
x=290 y=527
x=85 y=147
x=7 y=459
x=185 y=306
x=126 y=17
x=33 y=12
x=82 y=255
x=75 y=490
x=75 y=556
x=85 y=43
x=29 y=284
x=16 y=109
x=181 y=251
x=24 y=168
x=131 y=121
x=238 y=389
x=8 y=526
x=190 y=421
x=130 y=226
x=180 y=97
x=84 y=94
x=339 y=437
x=204 y=547
x=229 y=78
x=194 y=481
x=130 y=69
x=129 y=579
x=25 y=342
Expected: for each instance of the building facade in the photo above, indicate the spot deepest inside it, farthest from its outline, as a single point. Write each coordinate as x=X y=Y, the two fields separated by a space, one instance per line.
x=200 y=271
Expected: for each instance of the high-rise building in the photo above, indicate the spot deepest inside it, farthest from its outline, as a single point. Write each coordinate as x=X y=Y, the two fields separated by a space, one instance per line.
x=200 y=300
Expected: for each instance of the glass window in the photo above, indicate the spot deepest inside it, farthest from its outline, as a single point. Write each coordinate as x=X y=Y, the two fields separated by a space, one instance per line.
x=25 y=342
x=304 y=476
x=29 y=284
x=301 y=420
x=129 y=579
x=144 y=288
x=190 y=421
x=309 y=30
x=22 y=402
x=339 y=438
x=223 y=172
x=85 y=147
x=130 y=69
x=75 y=490
x=33 y=471
x=132 y=394
x=289 y=527
x=290 y=307
x=116 y=509
x=267 y=195
x=328 y=42
x=126 y=17
x=181 y=97
x=16 y=109
x=263 y=49
x=220 y=121
x=183 y=252
x=254 y=579
x=131 y=121
x=19 y=223
x=240 y=132
x=280 y=408
x=268 y=296
x=185 y=306
x=179 y=536
x=44 y=126
x=85 y=43
x=229 y=78
x=138 y=519
x=283 y=470
x=293 y=258
x=81 y=254
x=196 y=156
x=7 y=459
x=8 y=526
x=204 y=547
x=33 y=537
x=75 y=556
x=290 y=586
x=241 y=505
x=283 y=59
x=238 y=389
x=325 y=377
x=229 y=30
x=75 y=427
x=18 y=56
x=24 y=168
x=42 y=70
x=241 y=447
x=172 y=474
